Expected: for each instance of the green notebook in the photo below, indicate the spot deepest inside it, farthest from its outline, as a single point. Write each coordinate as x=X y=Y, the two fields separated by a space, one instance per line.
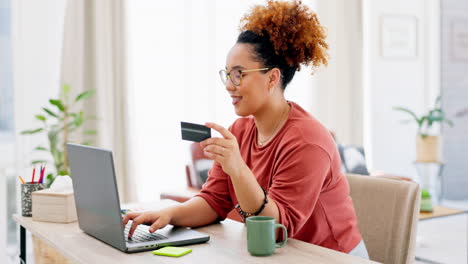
x=172 y=251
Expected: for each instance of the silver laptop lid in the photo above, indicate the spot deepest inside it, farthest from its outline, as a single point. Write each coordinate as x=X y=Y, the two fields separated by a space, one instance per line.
x=96 y=194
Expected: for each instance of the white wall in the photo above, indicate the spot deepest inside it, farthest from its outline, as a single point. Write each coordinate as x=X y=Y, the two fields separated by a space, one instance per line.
x=389 y=82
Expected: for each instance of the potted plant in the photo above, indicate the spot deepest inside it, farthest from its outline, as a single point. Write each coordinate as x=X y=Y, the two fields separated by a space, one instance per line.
x=60 y=122
x=427 y=142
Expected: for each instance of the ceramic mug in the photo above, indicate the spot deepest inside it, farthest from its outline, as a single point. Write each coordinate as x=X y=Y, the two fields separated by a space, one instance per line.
x=261 y=235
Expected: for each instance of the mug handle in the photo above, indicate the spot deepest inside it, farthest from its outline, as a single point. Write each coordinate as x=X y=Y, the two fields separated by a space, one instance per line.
x=285 y=234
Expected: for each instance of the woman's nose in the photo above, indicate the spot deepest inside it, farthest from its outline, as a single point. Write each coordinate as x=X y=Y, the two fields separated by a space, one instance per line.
x=230 y=86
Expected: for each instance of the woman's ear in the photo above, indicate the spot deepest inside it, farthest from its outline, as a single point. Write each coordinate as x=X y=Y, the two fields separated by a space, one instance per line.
x=275 y=77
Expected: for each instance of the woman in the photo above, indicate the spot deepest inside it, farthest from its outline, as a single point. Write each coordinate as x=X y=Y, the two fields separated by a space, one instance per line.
x=276 y=160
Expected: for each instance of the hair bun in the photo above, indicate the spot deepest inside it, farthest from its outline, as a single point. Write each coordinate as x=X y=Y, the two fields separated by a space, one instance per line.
x=293 y=29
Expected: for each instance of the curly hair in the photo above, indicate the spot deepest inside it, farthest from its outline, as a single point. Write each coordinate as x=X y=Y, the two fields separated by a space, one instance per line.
x=285 y=35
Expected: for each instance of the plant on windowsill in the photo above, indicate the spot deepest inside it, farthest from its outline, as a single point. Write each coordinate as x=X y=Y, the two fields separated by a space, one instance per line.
x=427 y=142
x=60 y=125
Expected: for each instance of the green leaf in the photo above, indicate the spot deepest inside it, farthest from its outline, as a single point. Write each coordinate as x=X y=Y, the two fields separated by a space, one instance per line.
x=41 y=148
x=90 y=132
x=50 y=112
x=66 y=88
x=87 y=143
x=50 y=179
x=33 y=131
x=63 y=172
x=53 y=139
x=436 y=115
x=34 y=162
x=41 y=118
x=58 y=104
x=79 y=119
x=421 y=122
x=84 y=95
x=411 y=113
x=436 y=118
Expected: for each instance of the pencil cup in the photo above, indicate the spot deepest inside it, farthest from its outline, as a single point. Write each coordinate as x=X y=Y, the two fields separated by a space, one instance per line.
x=26 y=201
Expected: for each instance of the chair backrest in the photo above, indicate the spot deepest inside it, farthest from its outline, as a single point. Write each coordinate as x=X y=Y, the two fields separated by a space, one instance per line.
x=387 y=212
x=197 y=170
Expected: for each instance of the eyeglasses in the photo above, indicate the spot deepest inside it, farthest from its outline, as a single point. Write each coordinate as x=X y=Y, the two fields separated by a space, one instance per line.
x=236 y=75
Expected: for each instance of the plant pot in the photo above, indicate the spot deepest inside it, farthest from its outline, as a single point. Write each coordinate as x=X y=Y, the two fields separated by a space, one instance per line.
x=427 y=149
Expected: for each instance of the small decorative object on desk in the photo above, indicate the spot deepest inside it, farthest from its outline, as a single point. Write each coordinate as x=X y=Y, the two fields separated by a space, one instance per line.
x=56 y=204
x=426 y=201
x=429 y=178
x=26 y=200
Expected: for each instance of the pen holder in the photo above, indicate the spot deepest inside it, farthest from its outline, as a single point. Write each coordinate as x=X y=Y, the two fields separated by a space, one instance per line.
x=26 y=200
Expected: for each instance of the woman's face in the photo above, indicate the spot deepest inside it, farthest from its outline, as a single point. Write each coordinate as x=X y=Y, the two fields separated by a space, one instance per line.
x=252 y=93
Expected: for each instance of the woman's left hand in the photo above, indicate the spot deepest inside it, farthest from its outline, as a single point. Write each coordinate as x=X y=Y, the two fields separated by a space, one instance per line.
x=224 y=150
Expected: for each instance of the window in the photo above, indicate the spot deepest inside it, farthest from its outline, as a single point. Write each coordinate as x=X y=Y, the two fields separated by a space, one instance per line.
x=8 y=183
x=6 y=90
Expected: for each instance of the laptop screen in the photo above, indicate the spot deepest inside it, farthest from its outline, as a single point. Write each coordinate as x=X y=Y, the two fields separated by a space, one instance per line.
x=96 y=194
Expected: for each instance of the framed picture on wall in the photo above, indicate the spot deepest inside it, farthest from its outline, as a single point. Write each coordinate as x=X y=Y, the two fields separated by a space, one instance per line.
x=459 y=40
x=399 y=36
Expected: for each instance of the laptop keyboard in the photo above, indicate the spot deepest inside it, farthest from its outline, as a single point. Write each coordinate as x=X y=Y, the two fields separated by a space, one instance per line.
x=141 y=235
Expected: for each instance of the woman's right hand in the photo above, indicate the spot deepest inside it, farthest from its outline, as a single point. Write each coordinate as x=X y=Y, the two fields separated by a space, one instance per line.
x=157 y=219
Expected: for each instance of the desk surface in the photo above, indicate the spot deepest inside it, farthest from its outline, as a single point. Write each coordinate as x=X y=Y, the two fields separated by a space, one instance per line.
x=439 y=211
x=227 y=245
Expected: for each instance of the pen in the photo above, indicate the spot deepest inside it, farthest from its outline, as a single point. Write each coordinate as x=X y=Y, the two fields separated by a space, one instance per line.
x=33 y=174
x=40 y=173
x=41 y=178
x=21 y=179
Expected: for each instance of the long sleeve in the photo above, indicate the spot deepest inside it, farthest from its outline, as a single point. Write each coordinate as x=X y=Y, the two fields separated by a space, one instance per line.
x=297 y=184
x=216 y=191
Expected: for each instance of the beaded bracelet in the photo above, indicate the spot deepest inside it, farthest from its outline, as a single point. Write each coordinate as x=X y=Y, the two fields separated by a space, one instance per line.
x=245 y=214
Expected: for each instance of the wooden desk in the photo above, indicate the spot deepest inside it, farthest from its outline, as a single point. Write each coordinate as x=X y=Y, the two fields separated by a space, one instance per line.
x=227 y=245
x=439 y=211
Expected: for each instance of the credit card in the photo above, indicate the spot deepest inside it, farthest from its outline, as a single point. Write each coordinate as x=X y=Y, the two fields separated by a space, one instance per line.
x=195 y=132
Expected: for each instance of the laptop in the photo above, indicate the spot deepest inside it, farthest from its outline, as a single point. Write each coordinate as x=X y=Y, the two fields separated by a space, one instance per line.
x=98 y=206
